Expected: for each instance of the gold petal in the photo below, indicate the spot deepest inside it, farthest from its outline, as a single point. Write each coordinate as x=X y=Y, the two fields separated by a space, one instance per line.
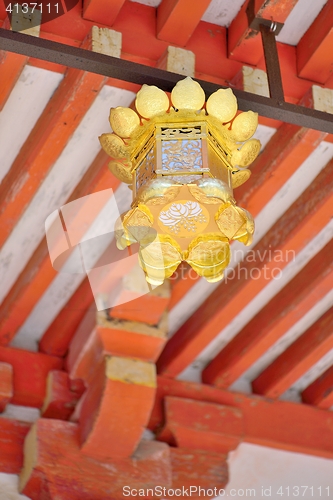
x=188 y=94
x=244 y=126
x=151 y=101
x=121 y=172
x=247 y=153
x=245 y=233
x=209 y=255
x=138 y=222
x=239 y=177
x=113 y=146
x=123 y=121
x=160 y=259
x=222 y=105
x=210 y=191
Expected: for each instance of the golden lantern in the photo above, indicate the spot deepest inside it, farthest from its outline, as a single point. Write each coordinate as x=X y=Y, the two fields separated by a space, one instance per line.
x=182 y=163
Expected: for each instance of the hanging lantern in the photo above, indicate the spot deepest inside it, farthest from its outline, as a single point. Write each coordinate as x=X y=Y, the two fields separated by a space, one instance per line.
x=182 y=163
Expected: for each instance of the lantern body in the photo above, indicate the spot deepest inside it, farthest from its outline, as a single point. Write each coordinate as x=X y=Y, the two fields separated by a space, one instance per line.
x=182 y=166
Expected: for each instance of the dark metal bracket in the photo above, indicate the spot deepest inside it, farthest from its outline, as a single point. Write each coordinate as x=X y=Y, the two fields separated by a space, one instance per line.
x=128 y=71
x=268 y=34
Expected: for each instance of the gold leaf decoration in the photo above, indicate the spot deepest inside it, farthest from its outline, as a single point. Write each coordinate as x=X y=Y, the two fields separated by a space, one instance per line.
x=246 y=154
x=123 y=237
x=124 y=121
x=138 y=223
x=209 y=255
x=245 y=233
x=222 y=105
x=244 y=126
x=160 y=259
x=210 y=191
x=229 y=220
x=188 y=94
x=151 y=101
x=113 y=146
x=121 y=172
x=239 y=177
x=158 y=192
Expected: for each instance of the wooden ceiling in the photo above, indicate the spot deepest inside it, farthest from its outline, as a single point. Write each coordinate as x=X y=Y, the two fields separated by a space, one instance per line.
x=268 y=328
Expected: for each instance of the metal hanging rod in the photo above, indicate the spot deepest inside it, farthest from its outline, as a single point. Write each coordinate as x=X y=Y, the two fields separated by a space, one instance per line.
x=128 y=71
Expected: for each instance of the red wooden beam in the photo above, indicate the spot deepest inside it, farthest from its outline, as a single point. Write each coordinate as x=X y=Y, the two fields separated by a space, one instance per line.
x=307 y=288
x=320 y=392
x=102 y=11
x=177 y=19
x=314 y=60
x=204 y=426
x=29 y=374
x=302 y=221
x=244 y=43
x=6 y=384
x=38 y=274
x=46 y=142
x=266 y=422
x=297 y=359
x=55 y=467
x=12 y=434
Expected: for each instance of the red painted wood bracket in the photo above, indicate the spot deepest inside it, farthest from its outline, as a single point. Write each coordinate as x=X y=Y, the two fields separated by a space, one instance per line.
x=266 y=422
x=62 y=395
x=12 y=435
x=201 y=425
x=30 y=370
x=6 y=384
x=55 y=467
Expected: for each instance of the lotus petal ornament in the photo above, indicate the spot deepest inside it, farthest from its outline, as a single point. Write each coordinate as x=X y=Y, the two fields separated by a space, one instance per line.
x=182 y=163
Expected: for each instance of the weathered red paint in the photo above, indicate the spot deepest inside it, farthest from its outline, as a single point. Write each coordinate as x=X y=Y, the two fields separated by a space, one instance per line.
x=297 y=359
x=320 y=392
x=29 y=374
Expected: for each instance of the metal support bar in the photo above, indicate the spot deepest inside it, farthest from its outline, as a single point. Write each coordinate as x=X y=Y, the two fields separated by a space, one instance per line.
x=272 y=62
x=137 y=73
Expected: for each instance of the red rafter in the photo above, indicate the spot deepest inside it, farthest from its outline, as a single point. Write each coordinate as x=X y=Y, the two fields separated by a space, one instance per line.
x=177 y=19
x=320 y=392
x=273 y=321
x=297 y=359
x=45 y=143
x=314 y=51
x=102 y=11
x=244 y=43
x=39 y=273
